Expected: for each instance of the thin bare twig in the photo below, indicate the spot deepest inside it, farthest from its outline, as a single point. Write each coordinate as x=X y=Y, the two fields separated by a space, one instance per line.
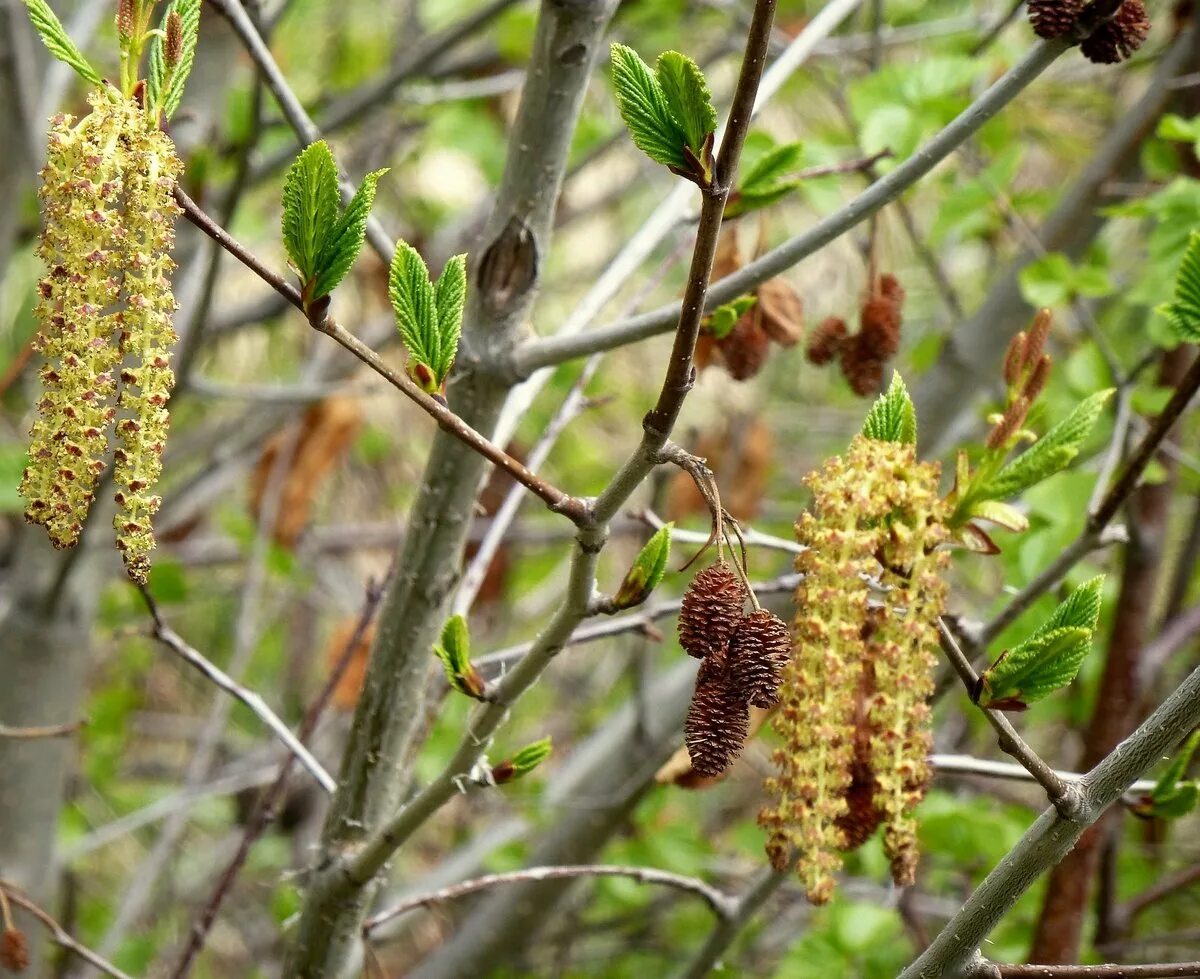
x=1163 y=970
x=41 y=731
x=59 y=935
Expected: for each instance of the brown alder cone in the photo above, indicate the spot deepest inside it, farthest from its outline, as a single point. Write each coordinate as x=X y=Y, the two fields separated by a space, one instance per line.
x=711 y=610
x=861 y=367
x=745 y=348
x=1116 y=39
x=758 y=653
x=825 y=342
x=718 y=720
x=14 y=950
x=1054 y=18
x=882 y=317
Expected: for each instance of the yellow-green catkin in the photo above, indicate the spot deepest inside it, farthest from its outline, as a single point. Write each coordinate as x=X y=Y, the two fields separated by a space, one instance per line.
x=83 y=248
x=105 y=310
x=146 y=340
x=875 y=519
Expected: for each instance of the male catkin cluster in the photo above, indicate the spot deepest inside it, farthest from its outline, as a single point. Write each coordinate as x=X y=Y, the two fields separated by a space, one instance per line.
x=105 y=309
x=853 y=715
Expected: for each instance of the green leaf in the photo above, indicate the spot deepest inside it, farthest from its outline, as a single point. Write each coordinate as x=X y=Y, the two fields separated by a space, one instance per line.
x=1179 y=803
x=771 y=168
x=1169 y=780
x=310 y=207
x=1049 y=281
x=1183 y=312
x=1048 y=659
x=1053 y=452
x=415 y=303
x=724 y=318
x=523 y=762
x=688 y=99
x=345 y=239
x=647 y=570
x=1001 y=514
x=57 y=41
x=644 y=108
x=892 y=418
x=189 y=14
x=450 y=299
x=454 y=651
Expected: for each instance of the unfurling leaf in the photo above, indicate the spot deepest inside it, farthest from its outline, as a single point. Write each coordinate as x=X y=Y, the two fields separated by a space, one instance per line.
x=1172 y=795
x=310 y=208
x=522 y=763
x=1001 y=514
x=644 y=108
x=454 y=651
x=1048 y=659
x=1053 y=452
x=1183 y=311
x=344 y=241
x=688 y=99
x=724 y=318
x=765 y=181
x=57 y=41
x=892 y=418
x=647 y=571
x=428 y=315
x=169 y=69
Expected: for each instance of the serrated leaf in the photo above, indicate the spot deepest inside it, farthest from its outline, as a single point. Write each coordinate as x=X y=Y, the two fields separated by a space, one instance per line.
x=415 y=304
x=1169 y=780
x=745 y=201
x=644 y=108
x=647 y=570
x=1053 y=452
x=1034 y=669
x=1001 y=514
x=1080 y=609
x=57 y=41
x=892 y=418
x=345 y=240
x=1183 y=312
x=189 y=15
x=454 y=651
x=450 y=299
x=688 y=99
x=771 y=168
x=526 y=760
x=310 y=207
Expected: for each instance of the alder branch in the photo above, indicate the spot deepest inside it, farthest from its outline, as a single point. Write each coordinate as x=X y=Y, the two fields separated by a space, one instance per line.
x=40 y=731
x=173 y=641
x=1163 y=970
x=954 y=952
x=722 y=905
x=59 y=935
x=555 y=350
x=320 y=320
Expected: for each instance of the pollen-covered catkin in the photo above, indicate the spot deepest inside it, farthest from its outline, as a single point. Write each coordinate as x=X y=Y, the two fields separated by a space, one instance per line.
x=146 y=339
x=83 y=248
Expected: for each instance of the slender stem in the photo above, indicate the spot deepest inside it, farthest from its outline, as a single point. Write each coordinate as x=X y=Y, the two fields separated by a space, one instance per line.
x=41 y=731
x=574 y=509
x=59 y=935
x=1163 y=970
x=722 y=905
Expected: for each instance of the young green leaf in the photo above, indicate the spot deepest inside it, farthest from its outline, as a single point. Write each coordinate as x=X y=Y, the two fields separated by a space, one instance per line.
x=892 y=418
x=57 y=41
x=310 y=207
x=644 y=108
x=1169 y=781
x=189 y=15
x=415 y=303
x=523 y=762
x=1184 y=311
x=1051 y=453
x=724 y=318
x=344 y=241
x=765 y=181
x=1048 y=659
x=454 y=651
x=688 y=99
x=450 y=299
x=647 y=570
x=1001 y=514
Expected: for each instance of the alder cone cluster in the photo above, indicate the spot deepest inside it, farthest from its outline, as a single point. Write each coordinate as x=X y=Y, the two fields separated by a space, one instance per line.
x=1117 y=39
x=826 y=341
x=864 y=355
x=742 y=658
x=1054 y=18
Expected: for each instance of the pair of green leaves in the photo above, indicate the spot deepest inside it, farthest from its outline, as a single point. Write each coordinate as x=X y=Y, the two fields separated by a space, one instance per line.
x=429 y=314
x=522 y=763
x=668 y=111
x=322 y=240
x=454 y=651
x=893 y=417
x=647 y=570
x=1048 y=659
x=164 y=86
x=766 y=181
x=1183 y=312
x=1173 y=796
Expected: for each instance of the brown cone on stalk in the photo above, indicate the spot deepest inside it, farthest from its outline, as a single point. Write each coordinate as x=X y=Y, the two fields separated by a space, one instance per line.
x=758 y=653
x=718 y=720
x=1116 y=39
x=711 y=610
x=1054 y=18
x=825 y=342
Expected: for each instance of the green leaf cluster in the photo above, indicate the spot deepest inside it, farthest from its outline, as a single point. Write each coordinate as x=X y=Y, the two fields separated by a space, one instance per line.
x=454 y=650
x=1183 y=312
x=892 y=418
x=647 y=570
x=1173 y=796
x=429 y=314
x=724 y=318
x=767 y=180
x=1054 y=280
x=668 y=111
x=523 y=762
x=57 y=41
x=1048 y=659
x=165 y=82
x=322 y=241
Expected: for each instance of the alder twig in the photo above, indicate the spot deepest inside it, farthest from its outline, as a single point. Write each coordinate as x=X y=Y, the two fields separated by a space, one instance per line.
x=194 y=658
x=1162 y=970
x=59 y=935
x=722 y=905
x=320 y=320
x=41 y=731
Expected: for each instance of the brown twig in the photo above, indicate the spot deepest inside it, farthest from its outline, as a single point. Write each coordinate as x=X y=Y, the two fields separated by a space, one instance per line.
x=318 y=317
x=1171 y=970
x=43 y=731
x=59 y=935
